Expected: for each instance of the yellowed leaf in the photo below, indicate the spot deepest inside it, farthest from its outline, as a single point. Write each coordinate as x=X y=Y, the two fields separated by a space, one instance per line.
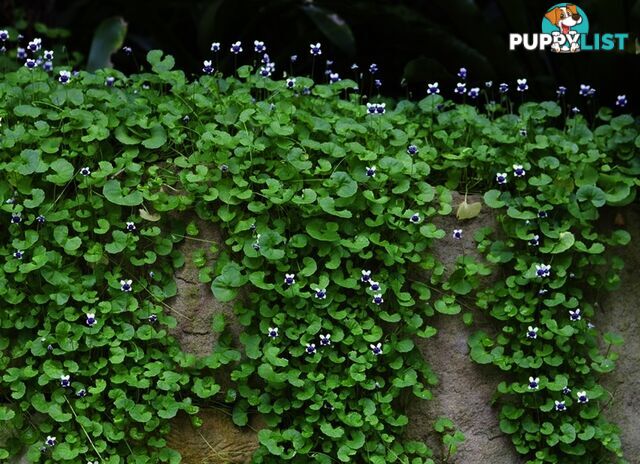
x=147 y=216
x=468 y=210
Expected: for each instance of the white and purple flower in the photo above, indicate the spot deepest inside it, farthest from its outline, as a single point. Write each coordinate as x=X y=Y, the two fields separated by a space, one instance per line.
x=85 y=171
x=377 y=299
x=91 y=319
x=291 y=82
x=374 y=286
x=503 y=87
x=373 y=68
x=130 y=226
x=535 y=241
x=433 y=88
x=543 y=270
x=126 y=285
x=462 y=73
x=371 y=171
x=50 y=441
x=376 y=349
x=412 y=149
x=566 y=391
x=366 y=276
x=153 y=318
x=376 y=108
x=560 y=406
x=289 y=279
x=585 y=90
x=321 y=294
x=474 y=92
x=64 y=77
x=109 y=81
x=207 y=68
x=215 y=47
x=259 y=46
x=562 y=90
x=16 y=218
x=18 y=254
x=272 y=332
x=4 y=35
x=501 y=178
x=236 y=47
x=315 y=49
x=65 y=381
x=31 y=63
x=310 y=348
x=575 y=315
x=457 y=234
x=534 y=383
x=518 y=170
x=325 y=340
x=522 y=85
x=461 y=88
x=81 y=393
x=621 y=101
x=532 y=332
x=415 y=218
x=582 y=397
x=334 y=77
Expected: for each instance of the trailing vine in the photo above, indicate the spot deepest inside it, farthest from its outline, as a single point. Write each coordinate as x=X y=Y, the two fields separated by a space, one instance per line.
x=326 y=204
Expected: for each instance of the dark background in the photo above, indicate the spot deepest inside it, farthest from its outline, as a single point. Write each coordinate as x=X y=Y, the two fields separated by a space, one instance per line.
x=412 y=41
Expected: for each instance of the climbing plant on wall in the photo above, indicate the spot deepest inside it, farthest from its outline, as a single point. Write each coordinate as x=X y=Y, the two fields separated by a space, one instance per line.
x=326 y=203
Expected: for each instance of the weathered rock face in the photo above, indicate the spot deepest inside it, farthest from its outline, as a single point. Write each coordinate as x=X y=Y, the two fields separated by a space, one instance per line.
x=194 y=305
x=218 y=441
x=465 y=389
x=620 y=313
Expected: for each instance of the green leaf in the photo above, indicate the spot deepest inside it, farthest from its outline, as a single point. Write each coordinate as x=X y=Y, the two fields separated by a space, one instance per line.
x=157 y=139
x=492 y=199
x=32 y=162
x=107 y=40
x=113 y=192
x=593 y=194
x=63 y=172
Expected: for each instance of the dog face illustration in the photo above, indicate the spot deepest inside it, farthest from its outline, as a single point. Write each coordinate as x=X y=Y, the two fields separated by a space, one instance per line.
x=564 y=17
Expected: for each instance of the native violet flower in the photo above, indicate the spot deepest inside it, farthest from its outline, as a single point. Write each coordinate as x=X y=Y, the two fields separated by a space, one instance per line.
x=501 y=178
x=462 y=73
x=259 y=46
x=289 y=279
x=534 y=383
x=376 y=349
x=503 y=88
x=461 y=88
x=16 y=218
x=311 y=348
x=64 y=77
x=575 y=315
x=377 y=299
x=91 y=319
x=582 y=397
x=474 y=92
x=522 y=85
x=371 y=171
x=562 y=90
x=153 y=318
x=457 y=234
x=315 y=49
x=272 y=332
x=535 y=241
x=236 y=47
x=325 y=340
x=560 y=406
x=130 y=226
x=215 y=47
x=543 y=270
x=375 y=286
x=518 y=170
x=366 y=276
x=291 y=82
x=125 y=285
x=18 y=254
x=30 y=64
x=85 y=171
x=321 y=294
x=206 y=67
x=412 y=149
x=433 y=88
x=50 y=441
x=65 y=381
x=621 y=101
x=532 y=332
